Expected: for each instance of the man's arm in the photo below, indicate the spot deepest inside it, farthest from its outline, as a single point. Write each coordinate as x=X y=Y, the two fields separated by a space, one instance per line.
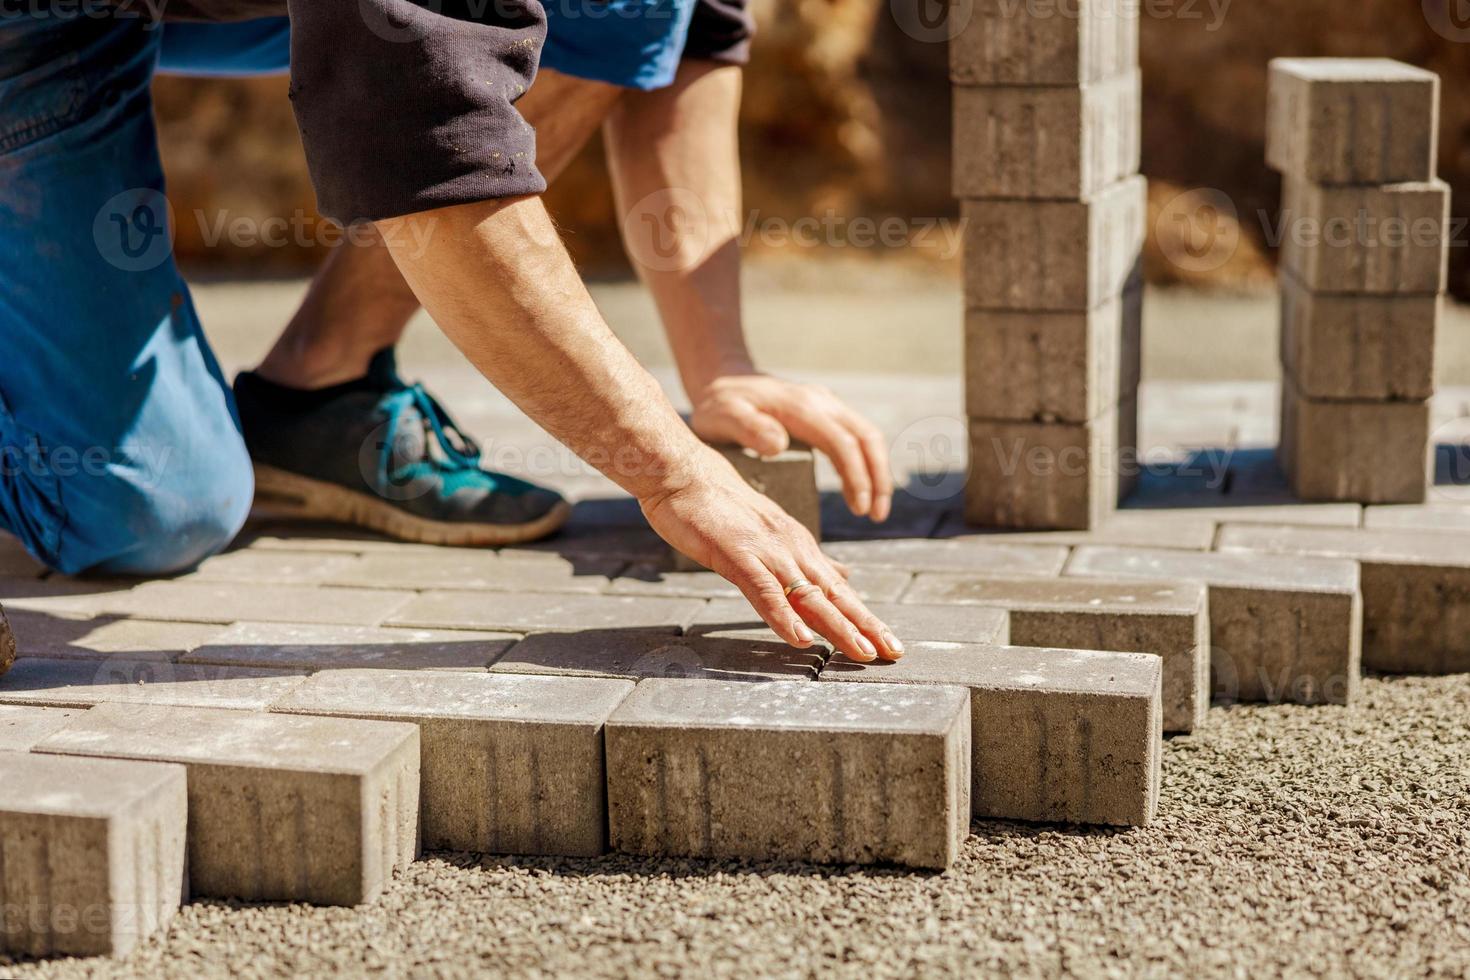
x=497 y=280
x=675 y=161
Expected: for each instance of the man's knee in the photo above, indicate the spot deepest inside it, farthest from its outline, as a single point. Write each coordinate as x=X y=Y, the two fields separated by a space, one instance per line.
x=157 y=514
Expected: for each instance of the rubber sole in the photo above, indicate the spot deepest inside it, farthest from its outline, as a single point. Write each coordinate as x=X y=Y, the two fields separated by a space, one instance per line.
x=282 y=494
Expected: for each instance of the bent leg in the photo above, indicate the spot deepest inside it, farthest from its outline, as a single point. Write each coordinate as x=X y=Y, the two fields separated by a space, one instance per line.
x=119 y=447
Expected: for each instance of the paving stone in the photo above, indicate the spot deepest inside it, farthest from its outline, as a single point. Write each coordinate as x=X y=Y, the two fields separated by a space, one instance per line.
x=876 y=584
x=1389 y=239
x=470 y=569
x=1369 y=452
x=831 y=773
x=544 y=612
x=1352 y=120
x=745 y=653
x=1004 y=43
x=7 y=643
x=1046 y=142
x=201 y=602
x=1282 y=629
x=1416 y=589
x=61 y=637
x=82 y=683
x=788 y=478
x=1135 y=529
x=1053 y=367
x=1417 y=517
x=1043 y=476
x=1063 y=736
x=1169 y=620
x=510 y=764
x=909 y=621
x=281 y=808
x=950 y=556
x=275 y=566
x=22 y=726
x=1054 y=255
x=93 y=853
x=310 y=647
x=1358 y=347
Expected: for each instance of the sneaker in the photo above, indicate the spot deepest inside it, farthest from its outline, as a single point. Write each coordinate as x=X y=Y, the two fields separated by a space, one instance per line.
x=384 y=455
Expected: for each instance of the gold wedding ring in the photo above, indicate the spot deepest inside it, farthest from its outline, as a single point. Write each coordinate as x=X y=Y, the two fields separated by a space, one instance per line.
x=799 y=584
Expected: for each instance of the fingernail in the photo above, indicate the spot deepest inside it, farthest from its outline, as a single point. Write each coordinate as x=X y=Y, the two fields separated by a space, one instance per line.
x=864 y=503
x=866 y=645
x=892 y=642
x=803 y=634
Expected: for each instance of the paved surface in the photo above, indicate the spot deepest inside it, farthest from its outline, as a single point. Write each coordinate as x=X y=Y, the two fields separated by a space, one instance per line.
x=1306 y=841
x=1320 y=840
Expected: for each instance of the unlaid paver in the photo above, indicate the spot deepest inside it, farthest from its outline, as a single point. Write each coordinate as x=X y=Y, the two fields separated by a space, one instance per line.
x=66 y=637
x=208 y=602
x=281 y=807
x=1371 y=452
x=22 y=726
x=1169 y=620
x=1063 y=736
x=1046 y=142
x=1282 y=628
x=989 y=555
x=1057 y=475
x=1352 y=120
x=1054 y=255
x=1384 y=239
x=92 y=853
x=307 y=646
x=469 y=569
x=1053 y=366
x=83 y=683
x=1004 y=43
x=737 y=653
x=1357 y=346
x=1416 y=589
x=544 y=612
x=789 y=478
x=510 y=764
x=832 y=773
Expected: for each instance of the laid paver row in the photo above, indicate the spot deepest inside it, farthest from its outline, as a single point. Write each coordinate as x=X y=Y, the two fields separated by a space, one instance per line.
x=323 y=796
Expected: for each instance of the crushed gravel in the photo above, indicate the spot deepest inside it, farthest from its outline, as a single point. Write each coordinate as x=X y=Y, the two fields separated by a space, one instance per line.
x=1290 y=840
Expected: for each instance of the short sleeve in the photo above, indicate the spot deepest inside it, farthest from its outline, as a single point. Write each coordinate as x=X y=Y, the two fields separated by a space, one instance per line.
x=721 y=31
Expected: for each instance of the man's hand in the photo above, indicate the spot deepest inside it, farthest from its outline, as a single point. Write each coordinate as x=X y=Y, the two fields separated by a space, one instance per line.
x=764 y=414
x=722 y=523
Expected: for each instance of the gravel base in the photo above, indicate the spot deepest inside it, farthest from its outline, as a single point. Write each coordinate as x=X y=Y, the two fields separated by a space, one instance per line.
x=1305 y=841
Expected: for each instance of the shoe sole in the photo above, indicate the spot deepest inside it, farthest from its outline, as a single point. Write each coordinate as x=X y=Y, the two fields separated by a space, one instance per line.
x=283 y=494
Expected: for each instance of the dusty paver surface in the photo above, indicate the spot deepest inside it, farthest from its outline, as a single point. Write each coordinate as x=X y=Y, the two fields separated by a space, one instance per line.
x=1310 y=841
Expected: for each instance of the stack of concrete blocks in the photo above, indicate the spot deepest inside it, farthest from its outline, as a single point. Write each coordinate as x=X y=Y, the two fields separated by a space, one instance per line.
x=1047 y=120
x=1364 y=258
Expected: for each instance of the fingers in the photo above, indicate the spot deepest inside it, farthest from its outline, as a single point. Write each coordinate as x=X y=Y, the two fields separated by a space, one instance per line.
x=824 y=428
x=811 y=602
x=875 y=454
x=738 y=420
x=846 y=601
x=767 y=597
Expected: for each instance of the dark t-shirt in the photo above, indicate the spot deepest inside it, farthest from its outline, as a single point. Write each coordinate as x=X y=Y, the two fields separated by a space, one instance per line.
x=408 y=105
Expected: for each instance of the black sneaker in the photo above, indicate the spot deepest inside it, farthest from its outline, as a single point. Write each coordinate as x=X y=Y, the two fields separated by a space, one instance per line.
x=384 y=455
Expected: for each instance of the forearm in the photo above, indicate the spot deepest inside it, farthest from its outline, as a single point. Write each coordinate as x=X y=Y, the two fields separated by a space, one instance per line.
x=674 y=156
x=497 y=280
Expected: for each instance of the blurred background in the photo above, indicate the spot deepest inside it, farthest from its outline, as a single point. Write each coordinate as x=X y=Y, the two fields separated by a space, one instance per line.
x=848 y=114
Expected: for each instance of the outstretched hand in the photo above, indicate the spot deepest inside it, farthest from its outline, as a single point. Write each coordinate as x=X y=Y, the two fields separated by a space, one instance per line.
x=764 y=414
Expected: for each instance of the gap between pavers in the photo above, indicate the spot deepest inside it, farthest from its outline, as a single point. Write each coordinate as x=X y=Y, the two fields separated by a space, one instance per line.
x=510 y=764
x=1281 y=628
x=281 y=808
x=93 y=853
x=1170 y=620
x=863 y=774
x=1415 y=584
x=1067 y=736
